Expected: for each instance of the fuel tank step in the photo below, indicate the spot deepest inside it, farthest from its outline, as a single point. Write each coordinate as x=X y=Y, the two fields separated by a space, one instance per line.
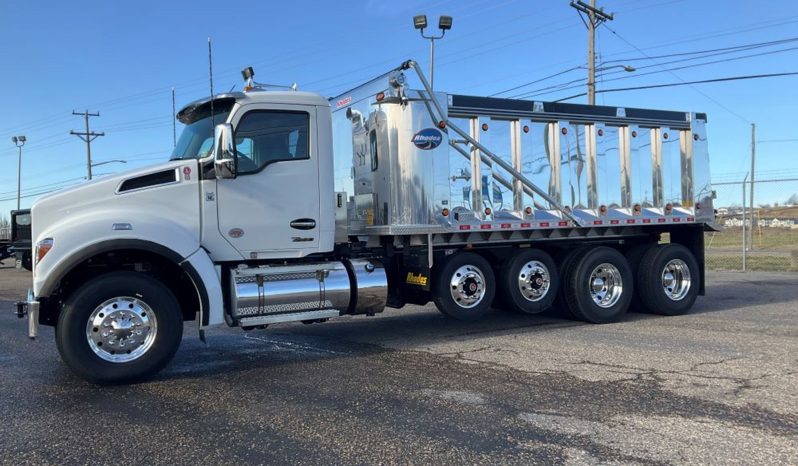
x=292 y=317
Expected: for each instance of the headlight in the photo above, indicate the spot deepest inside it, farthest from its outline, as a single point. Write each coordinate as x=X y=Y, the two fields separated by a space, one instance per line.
x=42 y=248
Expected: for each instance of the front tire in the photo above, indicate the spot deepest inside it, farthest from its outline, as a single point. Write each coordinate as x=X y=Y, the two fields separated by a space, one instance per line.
x=464 y=287
x=119 y=327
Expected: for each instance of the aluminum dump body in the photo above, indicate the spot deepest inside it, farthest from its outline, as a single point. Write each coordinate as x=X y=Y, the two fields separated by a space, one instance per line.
x=489 y=164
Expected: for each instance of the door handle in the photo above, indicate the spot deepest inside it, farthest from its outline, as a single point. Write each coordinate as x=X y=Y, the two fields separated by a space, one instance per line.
x=303 y=224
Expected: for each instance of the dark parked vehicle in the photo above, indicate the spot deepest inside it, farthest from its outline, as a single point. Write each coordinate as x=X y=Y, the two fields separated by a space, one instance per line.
x=19 y=243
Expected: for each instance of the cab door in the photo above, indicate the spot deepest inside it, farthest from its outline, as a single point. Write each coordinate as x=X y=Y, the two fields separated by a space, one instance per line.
x=271 y=208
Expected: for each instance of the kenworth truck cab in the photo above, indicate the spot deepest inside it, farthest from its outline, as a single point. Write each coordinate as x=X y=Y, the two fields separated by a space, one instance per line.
x=284 y=206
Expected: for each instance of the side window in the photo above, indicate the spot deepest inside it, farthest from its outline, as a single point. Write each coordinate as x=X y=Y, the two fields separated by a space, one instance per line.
x=373 y=146
x=267 y=136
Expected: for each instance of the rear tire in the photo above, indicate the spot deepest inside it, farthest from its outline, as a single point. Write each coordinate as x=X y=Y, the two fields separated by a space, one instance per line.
x=599 y=286
x=27 y=261
x=464 y=286
x=119 y=327
x=668 y=280
x=635 y=256
x=530 y=281
x=565 y=260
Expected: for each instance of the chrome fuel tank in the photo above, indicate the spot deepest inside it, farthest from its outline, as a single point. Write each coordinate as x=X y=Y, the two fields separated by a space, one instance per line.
x=290 y=288
x=356 y=287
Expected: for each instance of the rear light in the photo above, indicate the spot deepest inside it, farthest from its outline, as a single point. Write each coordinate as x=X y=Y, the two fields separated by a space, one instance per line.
x=380 y=97
x=441 y=124
x=42 y=248
x=445 y=212
x=488 y=211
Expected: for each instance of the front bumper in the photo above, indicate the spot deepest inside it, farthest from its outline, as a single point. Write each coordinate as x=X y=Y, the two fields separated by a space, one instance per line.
x=30 y=307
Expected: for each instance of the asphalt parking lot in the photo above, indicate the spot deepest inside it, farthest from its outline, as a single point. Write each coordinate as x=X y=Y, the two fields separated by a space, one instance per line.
x=717 y=386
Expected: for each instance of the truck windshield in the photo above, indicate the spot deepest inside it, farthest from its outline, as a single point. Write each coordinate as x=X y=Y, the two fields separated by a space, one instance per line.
x=196 y=140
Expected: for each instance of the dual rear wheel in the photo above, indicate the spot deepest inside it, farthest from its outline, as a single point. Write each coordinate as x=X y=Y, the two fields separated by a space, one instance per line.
x=595 y=284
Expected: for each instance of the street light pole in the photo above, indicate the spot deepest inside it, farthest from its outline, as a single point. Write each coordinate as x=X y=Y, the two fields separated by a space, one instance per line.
x=19 y=141
x=444 y=24
x=108 y=161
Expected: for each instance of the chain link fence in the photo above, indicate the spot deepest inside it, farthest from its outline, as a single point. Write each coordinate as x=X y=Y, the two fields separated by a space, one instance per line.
x=764 y=237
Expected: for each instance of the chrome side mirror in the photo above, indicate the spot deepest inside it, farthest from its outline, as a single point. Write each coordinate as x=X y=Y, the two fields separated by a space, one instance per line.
x=224 y=151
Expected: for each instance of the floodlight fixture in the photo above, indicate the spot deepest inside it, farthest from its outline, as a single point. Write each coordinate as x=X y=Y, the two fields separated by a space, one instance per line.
x=248 y=73
x=445 y=23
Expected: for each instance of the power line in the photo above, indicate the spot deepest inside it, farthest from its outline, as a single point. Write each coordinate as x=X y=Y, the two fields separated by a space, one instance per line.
x=34 y=188
x=687 y=83
x=680 y=78
x=706 y=53
x=563 y=87
x=731 y=49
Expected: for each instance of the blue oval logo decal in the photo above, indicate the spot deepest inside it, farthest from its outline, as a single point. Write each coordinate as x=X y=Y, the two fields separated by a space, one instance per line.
x=427 y=139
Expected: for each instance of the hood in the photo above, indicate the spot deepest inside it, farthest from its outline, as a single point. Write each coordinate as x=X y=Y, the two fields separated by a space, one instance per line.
x=170 y=188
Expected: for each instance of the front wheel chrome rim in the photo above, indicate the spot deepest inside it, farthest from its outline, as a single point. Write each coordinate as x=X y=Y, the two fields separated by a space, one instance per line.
x=606 y=285
x=676 y=280
x=534 y=281
x=467 y=286
x=121 y=329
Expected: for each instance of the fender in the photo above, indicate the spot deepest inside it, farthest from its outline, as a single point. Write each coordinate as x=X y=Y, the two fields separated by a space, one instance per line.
x=206 y=277
x=198 y=266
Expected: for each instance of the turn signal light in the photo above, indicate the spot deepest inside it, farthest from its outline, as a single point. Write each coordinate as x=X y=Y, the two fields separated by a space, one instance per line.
x=42 y=248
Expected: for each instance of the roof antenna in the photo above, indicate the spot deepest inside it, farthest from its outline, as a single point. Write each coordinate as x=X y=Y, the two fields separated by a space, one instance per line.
x=210 y=73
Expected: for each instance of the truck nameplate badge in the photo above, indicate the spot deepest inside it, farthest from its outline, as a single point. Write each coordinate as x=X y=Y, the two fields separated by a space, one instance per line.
x=416 y=279
x=236 y=232
x=427 y=139
x=343 y=102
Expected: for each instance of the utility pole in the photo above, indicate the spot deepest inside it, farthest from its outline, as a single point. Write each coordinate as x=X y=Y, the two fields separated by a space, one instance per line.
x=595 y=16
x=87 y=137
x=751 y=194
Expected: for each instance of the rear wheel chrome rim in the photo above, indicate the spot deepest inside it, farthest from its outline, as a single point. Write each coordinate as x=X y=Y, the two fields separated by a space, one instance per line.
x=606 y=285
x=534 y=281
x=676 y=280
x=121 y=329
x=467 y=286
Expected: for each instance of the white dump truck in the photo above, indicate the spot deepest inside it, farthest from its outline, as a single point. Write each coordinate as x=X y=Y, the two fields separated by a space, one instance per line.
x=281 y=206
